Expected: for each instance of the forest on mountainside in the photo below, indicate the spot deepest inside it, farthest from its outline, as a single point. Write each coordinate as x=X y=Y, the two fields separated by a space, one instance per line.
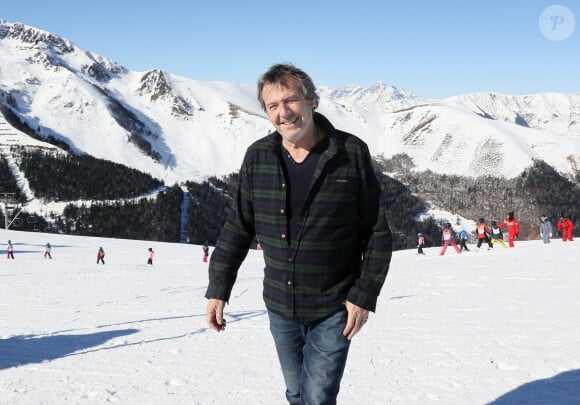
x=114 y=208
x=210 y=204
x=81 y=177
x=156 y=219
x=8 y=182
x=72 y=177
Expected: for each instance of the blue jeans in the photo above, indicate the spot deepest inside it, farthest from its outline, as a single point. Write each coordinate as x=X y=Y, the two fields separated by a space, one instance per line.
x=312 y=356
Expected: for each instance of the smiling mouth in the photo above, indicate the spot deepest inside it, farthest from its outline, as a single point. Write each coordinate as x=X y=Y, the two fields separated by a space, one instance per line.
x=290 y=122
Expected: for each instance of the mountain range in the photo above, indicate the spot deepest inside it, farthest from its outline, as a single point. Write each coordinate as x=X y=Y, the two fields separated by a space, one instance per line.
x=56 y=96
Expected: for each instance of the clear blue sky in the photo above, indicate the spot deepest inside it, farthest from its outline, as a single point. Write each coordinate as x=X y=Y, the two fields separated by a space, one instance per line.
x=432 y=48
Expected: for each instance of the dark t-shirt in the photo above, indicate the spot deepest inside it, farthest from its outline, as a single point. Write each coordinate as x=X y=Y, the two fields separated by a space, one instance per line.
x=298 y=178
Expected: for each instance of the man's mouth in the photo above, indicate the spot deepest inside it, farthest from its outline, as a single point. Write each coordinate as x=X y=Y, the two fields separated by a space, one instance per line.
x=289 y=122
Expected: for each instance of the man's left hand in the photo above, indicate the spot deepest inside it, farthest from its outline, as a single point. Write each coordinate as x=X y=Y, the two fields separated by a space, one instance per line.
x=357 y=317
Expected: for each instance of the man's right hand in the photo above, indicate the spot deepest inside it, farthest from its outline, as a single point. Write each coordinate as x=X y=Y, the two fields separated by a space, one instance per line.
x=215 y=314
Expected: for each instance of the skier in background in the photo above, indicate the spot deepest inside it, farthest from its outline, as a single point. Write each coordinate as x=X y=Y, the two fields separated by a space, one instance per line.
x=496 y=235
x=101 y=256
x=205 y=252
x=47 y=250
x=9 y=250
x=565 y=226
x=150 y=256
x=463 y=240
x=483 y=234
x=448 y=238
x=545 y=228
x=512 y=228
x=420 y=243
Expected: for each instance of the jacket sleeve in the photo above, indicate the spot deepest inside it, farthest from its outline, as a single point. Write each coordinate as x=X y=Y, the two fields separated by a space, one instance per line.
x=377 y=240
x=234 y=241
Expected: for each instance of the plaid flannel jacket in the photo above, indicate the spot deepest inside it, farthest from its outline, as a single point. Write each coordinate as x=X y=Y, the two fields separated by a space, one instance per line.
x=342 y=247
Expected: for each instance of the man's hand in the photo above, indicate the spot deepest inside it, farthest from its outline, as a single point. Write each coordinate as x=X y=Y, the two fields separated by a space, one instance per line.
x=357 y=317
x=215 y=314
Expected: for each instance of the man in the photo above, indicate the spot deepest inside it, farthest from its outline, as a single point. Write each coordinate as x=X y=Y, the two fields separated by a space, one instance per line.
x=309 y=193
x=512 y=228
x=565 y=227
x=545 y=228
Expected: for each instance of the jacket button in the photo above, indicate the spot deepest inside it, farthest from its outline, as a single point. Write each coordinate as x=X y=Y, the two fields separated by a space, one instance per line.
x=289 y=260
x=289 y=282
x=283 y=185
x=282 y=211
x=283 y=236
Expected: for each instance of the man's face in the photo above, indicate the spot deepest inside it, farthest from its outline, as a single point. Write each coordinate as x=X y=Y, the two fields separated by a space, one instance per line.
x=288 y=110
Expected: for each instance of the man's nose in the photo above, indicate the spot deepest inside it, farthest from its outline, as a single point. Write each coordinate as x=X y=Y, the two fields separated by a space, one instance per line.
x=284 y=107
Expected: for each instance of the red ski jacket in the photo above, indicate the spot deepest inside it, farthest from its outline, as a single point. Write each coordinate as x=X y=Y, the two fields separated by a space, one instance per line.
x=482 y=230
x=512 y=226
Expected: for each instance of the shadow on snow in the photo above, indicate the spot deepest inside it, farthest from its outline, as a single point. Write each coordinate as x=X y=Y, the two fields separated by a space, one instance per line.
x=562 y=389
x=28 y=349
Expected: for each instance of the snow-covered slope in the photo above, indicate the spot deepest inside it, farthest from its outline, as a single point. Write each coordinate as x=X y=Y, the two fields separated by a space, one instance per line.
x=177 y=128
x=498 y=328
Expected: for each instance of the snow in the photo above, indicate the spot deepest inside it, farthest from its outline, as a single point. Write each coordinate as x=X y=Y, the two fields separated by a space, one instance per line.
x=491 y=327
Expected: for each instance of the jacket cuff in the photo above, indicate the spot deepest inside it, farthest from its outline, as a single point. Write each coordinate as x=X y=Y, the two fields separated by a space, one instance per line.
x=362 y=299
x=218 y=292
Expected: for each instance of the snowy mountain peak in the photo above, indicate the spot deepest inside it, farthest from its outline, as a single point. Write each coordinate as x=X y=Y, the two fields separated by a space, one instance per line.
x=52 y=52
x=155 y=84
x=378 y=92
x=32 y=36
x=178 y=129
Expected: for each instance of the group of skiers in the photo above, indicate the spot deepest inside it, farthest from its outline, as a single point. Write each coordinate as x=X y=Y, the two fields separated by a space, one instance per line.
x=564 y=227
x=10 y=250
x=150 y=254
x=100 y=253
x=493 y=234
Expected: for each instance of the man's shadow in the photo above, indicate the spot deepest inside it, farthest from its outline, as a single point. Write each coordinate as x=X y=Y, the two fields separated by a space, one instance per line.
x=562 y=389
x=28 y=349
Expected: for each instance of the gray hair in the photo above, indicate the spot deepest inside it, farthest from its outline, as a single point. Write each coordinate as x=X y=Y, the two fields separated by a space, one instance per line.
x=284 y=74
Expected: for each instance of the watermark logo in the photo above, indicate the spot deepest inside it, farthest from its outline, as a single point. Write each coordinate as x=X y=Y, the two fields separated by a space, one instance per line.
x=557 y=22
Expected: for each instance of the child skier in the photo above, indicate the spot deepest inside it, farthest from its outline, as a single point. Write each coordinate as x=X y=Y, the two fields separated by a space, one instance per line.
x=483 y=234
x=463 y=240
x=10 y=250
x=448 y=238
x=47 y=249
x=205 y=252
x=420 y=244
x=496 y=235
x=101 y=256
x=150 y=256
